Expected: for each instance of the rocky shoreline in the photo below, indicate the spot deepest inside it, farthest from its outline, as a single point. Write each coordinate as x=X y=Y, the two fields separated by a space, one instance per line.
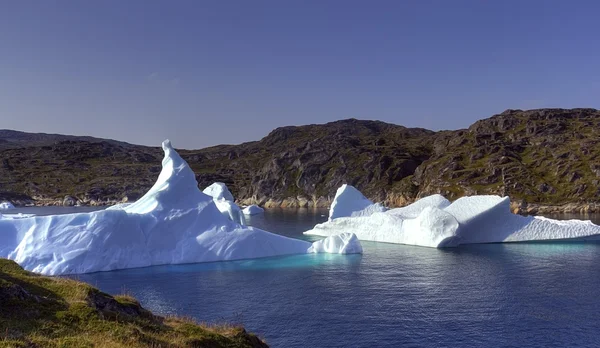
x=391 y=201
x=68 y=201
x=395 y=201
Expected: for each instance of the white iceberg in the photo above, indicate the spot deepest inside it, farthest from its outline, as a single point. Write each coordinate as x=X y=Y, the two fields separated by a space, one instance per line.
x=16 y=216
x=219 y=191
x=231 y=210
x=225 y=202
x=174 y=222
x=6 y=205
x=350 y=202
x=344 y=243
x=434 y=222
x=253 y=210
x=119 y=206
x=413 y=210
x=488 y=219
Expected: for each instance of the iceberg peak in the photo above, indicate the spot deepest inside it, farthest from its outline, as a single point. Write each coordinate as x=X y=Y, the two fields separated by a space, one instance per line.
x=176 y=186
x=219 y=191
x=349 y=202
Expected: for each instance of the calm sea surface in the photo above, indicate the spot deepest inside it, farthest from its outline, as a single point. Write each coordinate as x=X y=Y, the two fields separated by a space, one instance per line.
x=496 y=295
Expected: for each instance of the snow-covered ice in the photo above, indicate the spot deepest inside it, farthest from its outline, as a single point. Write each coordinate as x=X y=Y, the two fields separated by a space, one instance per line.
x=225 y=202
x=434 y=222
x=6 y=205
x=15 y=216
x=349 y=201
x=413 y=210
x=174 y=222
x=219 y=191
x=344 y=243
x=253 y=210
x=119 y=206
x=231 y=210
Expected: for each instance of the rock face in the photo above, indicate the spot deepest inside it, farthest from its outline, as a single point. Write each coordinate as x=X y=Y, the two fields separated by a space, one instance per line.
x=546 y=156
x=69 y=201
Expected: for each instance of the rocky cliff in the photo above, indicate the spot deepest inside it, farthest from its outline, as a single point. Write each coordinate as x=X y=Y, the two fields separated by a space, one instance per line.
x=546 y=156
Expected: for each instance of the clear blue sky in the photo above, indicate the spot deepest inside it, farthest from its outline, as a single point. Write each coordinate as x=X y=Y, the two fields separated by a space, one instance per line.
x=211 y=72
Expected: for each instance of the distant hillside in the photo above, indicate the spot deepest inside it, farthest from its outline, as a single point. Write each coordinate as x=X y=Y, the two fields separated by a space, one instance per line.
x=15 y=139
x=546 y=156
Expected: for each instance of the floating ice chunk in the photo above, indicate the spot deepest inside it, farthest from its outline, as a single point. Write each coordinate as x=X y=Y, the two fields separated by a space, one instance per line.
x=219 y=191
x=174 y=222
x=349 y=201
x=253 y=210
x=6 y=205
x=433 y=222
x=344 y=243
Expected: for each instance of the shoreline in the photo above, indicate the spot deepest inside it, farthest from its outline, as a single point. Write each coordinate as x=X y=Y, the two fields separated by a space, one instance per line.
x=517 y=207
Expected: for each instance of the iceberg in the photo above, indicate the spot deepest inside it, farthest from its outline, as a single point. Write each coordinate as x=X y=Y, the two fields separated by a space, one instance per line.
x=225 y=202
x=15 y=216
x=413 y=210
x=118 y=206
x=173 y=223
x=219 y=191
x=253 y=210
x=231 y=211
x=350 y=202
x=6 y=205
x=488 y=219
x=435 y=222
x=344 y=243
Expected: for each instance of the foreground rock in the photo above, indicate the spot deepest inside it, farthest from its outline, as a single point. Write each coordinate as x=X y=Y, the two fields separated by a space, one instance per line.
x=174 y=222
x=38 y=311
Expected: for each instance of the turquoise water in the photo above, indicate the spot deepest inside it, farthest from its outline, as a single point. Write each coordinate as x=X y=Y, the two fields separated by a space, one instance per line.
x=497 y=295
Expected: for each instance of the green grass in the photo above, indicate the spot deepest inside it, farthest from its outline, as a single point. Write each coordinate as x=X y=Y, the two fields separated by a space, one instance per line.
x=59 y=312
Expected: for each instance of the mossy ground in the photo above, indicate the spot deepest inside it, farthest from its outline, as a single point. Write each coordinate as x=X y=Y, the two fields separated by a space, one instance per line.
x=39 y=311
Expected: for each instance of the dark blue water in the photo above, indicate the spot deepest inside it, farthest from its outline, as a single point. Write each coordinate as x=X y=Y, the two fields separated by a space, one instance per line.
x=498 y=295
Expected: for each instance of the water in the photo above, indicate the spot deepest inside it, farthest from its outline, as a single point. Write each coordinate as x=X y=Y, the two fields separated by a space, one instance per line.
x=497 y=295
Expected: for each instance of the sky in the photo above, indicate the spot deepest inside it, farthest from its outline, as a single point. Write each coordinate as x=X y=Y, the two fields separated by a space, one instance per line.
x=205 y=72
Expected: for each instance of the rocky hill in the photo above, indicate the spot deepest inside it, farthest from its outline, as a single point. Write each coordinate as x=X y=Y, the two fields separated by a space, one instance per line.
x=15 y=139
x=546 y=156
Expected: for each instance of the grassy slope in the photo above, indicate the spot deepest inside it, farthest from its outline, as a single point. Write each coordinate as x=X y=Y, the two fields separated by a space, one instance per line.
x=43 y=311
